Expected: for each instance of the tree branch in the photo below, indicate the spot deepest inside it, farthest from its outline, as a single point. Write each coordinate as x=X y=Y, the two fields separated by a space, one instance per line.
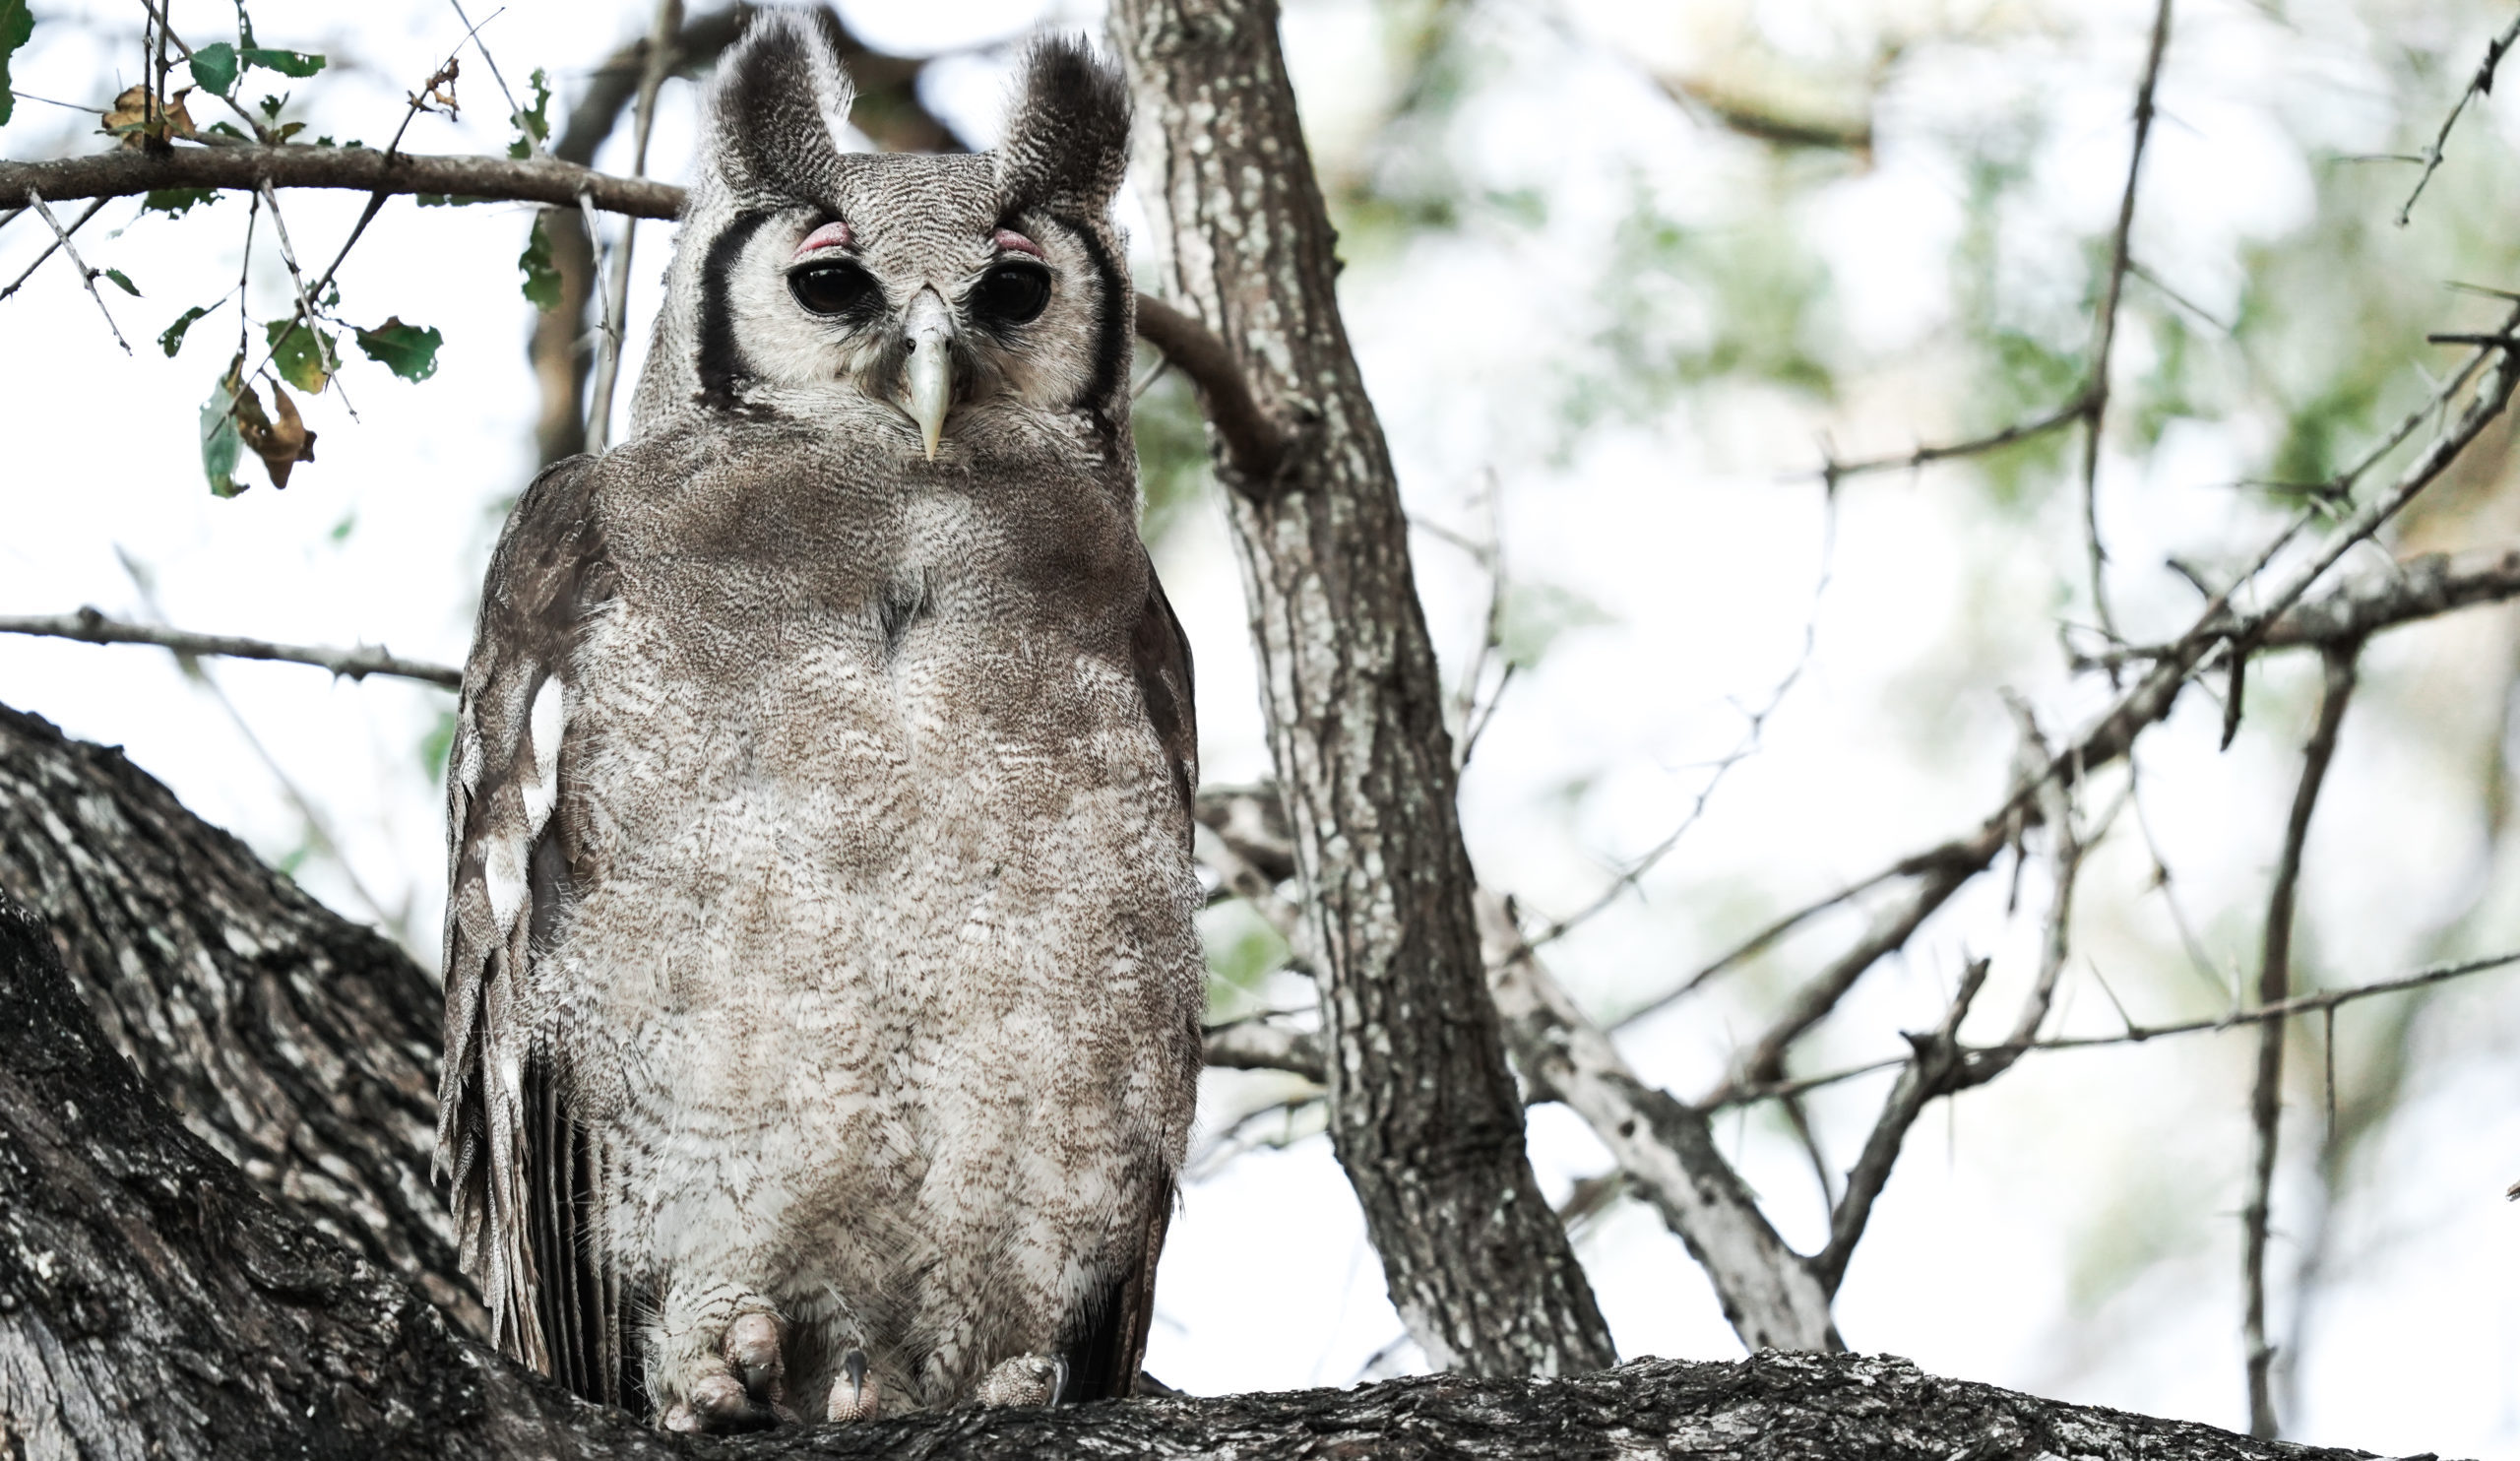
x=1423 y=1111
x=2104 y=329
x=2273 y=987
x=2318 y=1002
x=1933 y=1069
x=363 y=169
x=1254 y=1045
x=1254 y=442
x=1667 y=1151
x=91 y=626
x=2478 y=85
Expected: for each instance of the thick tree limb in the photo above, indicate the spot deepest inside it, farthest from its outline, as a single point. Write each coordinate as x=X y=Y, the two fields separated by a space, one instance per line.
x=299 y=1046
x=154 y=1303
x=1424 y=1110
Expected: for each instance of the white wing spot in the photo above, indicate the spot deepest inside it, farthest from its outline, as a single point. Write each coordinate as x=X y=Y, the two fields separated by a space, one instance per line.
x=546 y=724
x=503 y=877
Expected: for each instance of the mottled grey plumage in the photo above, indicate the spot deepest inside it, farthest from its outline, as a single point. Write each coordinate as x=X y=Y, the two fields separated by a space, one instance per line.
x=822 y=991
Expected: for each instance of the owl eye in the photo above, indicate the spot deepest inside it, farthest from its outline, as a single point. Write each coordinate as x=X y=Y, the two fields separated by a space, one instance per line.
x=1011 y=294
x=834 y=287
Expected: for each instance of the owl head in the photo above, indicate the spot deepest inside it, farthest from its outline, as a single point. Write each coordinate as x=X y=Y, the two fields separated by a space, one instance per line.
x=812 y=281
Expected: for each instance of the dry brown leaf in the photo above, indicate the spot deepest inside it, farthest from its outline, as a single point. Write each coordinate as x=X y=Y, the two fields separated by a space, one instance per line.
x=130 y=119
x=282 y=443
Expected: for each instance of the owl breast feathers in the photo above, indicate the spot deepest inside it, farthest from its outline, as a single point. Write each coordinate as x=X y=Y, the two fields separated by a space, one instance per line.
x=822 y=987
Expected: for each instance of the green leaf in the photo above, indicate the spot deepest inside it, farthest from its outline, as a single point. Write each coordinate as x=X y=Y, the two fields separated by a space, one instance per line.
x=409 y=351
x=124 y=280
x=174 y=337
x=286 y=63
x=220 y=443
x=215 y=67
x=226 y=129
x=302 y=355
x=534 y=123
x=178 y=200
x=541 y=279
x=16 y=25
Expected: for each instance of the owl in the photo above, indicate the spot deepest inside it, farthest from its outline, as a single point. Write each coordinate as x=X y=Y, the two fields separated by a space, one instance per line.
x=822 y=988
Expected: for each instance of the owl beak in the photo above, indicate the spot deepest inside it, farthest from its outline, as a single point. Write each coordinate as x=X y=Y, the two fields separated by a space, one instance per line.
x=929 y=333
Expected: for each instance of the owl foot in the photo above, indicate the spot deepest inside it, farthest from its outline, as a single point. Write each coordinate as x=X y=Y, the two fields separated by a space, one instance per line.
x=746 y=1388
x=1026 y=1379
x=854 y=1394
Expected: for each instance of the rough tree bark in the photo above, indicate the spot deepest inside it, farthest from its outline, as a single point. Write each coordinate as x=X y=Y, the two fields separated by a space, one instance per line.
x=152 y=1303
x=1424 y=1110
x=299 y=1046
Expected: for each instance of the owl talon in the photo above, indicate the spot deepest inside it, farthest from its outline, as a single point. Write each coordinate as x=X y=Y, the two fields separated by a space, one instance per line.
x=748 y=1392
x=752 y=1348
x=1024 y=1381
x=854 y=1394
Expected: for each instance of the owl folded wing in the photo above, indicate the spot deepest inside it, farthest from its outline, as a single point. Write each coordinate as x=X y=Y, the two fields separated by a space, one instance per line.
x=526 y=1177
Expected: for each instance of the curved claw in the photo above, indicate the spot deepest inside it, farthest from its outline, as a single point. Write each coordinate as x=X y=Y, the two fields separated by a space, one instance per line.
x=854 y=1394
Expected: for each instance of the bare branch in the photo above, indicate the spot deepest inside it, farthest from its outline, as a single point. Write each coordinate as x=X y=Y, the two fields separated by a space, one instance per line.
x=86 y=276
x=1891 y=929
x=1255 y=442
x=2478 y=85
x=2317 y=1002
x=90 y=626
x=52 y=248
x=1768 y=1293
x=2274 y=985
x=1926 y=456
x=2104 y=331
x=1933 y=1069
x=123 y=173
x=2408 y=592
x=617 y=303
x=1946 y=867
x=1255 y=1045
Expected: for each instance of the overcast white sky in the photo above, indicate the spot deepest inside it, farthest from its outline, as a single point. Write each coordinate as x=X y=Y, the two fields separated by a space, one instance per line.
x=1690 y=532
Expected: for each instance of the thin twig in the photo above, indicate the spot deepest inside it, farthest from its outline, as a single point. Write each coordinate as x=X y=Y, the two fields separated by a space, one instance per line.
x=1753 y=734
x=1936 y=1064
x=52 y=248
x=86 y=276
x=92 y=627
x=2478 y=85
x=2273 y=987
x=1945 y=868
x=2105 y=329
x=616 y=301
x=1834 y=472
x=2316 y=1002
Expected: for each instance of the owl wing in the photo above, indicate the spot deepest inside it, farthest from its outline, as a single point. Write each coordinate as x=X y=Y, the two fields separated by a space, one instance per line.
x=1103 y=1363
x=528 y=1180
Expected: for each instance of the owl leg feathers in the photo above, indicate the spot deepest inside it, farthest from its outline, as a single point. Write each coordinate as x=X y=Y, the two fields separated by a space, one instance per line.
x=1026 y=1379
x=737 y=1383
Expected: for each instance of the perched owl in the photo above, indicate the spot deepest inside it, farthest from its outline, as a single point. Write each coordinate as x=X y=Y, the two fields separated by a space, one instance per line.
x=822 y=992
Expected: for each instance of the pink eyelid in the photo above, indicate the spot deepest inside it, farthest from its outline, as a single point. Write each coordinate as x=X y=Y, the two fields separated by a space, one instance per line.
x=1016 y=243
x=833 y=234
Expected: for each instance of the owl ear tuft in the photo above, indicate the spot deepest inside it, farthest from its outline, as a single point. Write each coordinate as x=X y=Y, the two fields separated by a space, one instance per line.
x=777 y=110
x=1067 y=137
